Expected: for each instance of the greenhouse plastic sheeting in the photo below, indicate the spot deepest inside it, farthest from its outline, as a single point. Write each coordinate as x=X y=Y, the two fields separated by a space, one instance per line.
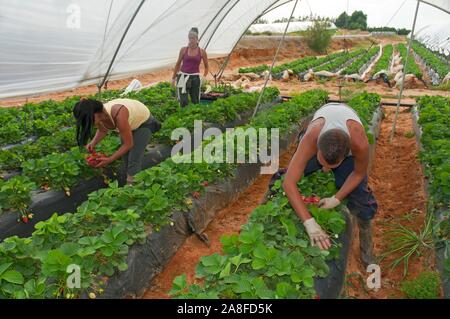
x=280 y=27
x=444 y=5
x=435 y=37
x=53 y=45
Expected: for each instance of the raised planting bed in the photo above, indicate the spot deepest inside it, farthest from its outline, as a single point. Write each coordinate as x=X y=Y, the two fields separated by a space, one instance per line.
x=431 y=117
x=299 y=66
x=272 y=256
x=437 y=69
x=145 y=263
x=385 y=60
x=340 y=62
x=359 y=65
x=44 y=203
x=159 y=99
x=98 y=236
x=412 y=67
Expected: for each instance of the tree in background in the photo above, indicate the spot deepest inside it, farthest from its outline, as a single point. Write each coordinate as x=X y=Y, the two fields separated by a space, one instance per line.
x=402 y=31
x=342 y=21
x=318 y=37
x=358 y=20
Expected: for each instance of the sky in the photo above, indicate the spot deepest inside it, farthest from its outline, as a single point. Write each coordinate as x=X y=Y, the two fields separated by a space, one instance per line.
x=379 y=12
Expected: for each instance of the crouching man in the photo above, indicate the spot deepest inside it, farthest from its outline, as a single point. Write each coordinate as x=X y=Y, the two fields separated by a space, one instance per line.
x=336 y=140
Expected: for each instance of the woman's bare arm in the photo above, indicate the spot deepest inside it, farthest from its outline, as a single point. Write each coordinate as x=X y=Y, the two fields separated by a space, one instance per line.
x=205 y=62
x=178 y=64
x=305 y=151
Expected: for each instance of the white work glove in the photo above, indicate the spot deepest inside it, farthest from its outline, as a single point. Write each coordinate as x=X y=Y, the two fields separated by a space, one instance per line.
x=316 y=234
x=329 y=203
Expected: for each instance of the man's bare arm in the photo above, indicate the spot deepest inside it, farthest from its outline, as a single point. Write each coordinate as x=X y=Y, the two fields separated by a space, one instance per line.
x=305 y=151
x=360 y=151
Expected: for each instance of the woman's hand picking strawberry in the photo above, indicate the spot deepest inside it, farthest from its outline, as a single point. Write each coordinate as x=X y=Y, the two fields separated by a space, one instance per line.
x=103 y=162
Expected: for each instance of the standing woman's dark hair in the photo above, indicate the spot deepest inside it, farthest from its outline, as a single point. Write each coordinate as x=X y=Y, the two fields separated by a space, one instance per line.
x=84 y=111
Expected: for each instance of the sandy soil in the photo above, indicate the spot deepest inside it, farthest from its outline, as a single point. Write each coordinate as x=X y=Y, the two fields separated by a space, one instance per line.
x=397 y=182
x=227 y=222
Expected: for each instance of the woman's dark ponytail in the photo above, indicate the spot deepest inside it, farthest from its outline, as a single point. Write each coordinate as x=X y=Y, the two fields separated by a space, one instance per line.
x=83 y=112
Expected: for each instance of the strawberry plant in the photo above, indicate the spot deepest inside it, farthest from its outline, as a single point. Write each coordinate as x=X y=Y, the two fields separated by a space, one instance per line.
x=11 y=133
x=335 y=64
x=16 y=194
x=220 y=112
x=412 y=67
x=439 y=66
x=59 y=141
x=356 y=65
x=256 y=69
x=365 y=104
x=98 y=234
x=54 y=171
x=297 y=66
x=434 y=118
x=271 y=257
x=294 y=64
x=425 y=286
x=385 y=59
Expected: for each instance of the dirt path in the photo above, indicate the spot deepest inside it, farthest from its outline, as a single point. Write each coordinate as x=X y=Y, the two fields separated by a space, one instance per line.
x=397 y=181
x=227 y=222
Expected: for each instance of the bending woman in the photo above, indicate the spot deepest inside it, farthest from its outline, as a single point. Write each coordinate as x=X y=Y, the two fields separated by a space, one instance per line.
x=130 y=118
x=187 y=80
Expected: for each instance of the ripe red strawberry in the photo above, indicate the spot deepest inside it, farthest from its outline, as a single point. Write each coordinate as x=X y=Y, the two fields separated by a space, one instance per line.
x=25 y=219
x=92 y=160
x=311 y=199
x=205 y=183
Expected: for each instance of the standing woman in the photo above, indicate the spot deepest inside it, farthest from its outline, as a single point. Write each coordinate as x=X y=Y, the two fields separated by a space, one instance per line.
x=187 y=80
x=130 y=118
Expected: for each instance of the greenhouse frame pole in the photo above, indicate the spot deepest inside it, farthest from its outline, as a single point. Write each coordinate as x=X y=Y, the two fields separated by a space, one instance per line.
x=214 y=19
x=225 y=63
x=274 y=59
x=118 y=46
x=404 y=72
x=220 y=22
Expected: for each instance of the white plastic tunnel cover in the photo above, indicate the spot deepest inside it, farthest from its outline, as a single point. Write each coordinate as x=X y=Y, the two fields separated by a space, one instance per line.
x=52 y=45
x=444 y=5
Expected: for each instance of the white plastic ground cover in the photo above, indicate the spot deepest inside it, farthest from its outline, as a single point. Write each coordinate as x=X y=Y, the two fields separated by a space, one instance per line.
x=280 y=27
x=52 y=45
